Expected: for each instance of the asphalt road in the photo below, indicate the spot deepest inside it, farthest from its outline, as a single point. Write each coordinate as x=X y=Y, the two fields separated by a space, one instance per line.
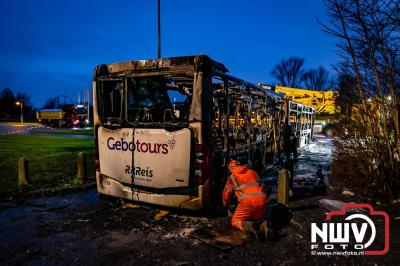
x=6 y=129
x=37 y=129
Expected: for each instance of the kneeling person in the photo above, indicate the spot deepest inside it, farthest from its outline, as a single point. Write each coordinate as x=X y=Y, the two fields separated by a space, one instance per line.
x=245 y=184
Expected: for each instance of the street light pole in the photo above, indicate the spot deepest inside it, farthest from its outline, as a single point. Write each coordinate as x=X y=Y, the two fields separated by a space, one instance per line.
x=159 y=30
x=21 y=103
x=22 y=112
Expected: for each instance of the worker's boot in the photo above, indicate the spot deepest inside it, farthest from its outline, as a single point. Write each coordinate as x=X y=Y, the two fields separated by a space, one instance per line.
x=253 y=228
x=248 y=228
x=268 y=233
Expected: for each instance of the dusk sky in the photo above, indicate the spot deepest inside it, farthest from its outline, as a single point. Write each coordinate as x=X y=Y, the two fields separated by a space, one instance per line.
x=49 y=47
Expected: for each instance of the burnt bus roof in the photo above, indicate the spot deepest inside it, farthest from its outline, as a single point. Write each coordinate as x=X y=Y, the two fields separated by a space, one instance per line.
x=172 y=64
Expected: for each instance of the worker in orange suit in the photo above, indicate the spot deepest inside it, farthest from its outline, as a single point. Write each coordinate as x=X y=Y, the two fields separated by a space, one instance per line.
x=252 y=200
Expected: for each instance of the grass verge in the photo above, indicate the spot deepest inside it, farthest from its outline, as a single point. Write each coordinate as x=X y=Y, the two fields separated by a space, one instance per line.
x=52 y=160
x=88 y=132
x=19 y=123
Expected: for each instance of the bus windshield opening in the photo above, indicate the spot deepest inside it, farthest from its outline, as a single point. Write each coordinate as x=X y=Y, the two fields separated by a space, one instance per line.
x=150 y=99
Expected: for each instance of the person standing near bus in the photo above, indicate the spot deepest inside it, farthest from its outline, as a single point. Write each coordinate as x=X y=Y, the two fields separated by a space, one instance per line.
x=252 y=207
x=289 y=142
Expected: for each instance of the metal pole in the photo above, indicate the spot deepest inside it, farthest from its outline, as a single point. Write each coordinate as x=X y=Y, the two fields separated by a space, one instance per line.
x=88 y=107
x=159 y=30
x=22 y=112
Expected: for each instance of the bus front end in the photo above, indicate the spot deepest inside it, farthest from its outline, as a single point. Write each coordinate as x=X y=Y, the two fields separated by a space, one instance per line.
x=149 y=132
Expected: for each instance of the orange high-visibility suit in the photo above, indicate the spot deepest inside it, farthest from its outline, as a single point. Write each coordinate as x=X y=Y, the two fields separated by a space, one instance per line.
x=251 y=196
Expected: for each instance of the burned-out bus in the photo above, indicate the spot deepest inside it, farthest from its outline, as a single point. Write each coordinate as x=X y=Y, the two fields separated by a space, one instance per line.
x=166 y=128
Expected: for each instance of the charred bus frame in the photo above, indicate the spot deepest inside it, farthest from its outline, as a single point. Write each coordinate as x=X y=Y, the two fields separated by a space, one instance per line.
x=227 y=117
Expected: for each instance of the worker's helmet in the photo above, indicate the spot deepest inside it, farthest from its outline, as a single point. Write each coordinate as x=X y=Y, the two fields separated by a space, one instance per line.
x=233 y=164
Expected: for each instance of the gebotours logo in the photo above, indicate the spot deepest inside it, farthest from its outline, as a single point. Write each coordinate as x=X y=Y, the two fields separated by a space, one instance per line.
x=144 y=147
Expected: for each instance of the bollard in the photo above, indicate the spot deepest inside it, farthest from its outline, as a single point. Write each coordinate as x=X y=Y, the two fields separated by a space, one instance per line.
x=81 y=173
x=23 y=172
x=283 y=187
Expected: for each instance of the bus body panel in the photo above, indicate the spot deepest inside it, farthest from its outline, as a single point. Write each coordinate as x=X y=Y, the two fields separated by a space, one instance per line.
x=161 y=159
x=111 y=187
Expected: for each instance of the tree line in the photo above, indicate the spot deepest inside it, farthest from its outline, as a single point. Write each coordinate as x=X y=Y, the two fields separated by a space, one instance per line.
x=10 y=111
x=367 y=34
x=290 y=72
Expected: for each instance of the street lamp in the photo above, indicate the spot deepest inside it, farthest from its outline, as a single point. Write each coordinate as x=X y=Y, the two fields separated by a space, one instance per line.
x=159 y=29
x=21 y=103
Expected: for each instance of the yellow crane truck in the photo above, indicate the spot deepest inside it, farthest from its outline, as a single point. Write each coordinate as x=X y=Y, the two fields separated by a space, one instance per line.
x=324 y=103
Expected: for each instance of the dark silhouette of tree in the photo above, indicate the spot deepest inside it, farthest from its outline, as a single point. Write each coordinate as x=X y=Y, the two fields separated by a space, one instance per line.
x=50 y=103
x=8 y=110
x=317 y=79
x=347 y=93
x=26 y=98
x=7 y=94
x=288 y=72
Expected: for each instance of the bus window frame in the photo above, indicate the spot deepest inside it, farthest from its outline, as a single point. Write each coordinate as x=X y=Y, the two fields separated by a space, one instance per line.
x=112 y=122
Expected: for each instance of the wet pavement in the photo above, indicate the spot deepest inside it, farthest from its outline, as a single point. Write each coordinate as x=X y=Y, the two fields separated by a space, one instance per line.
x=82 y=228
x=35 y=228
x=15 y=128
x=312 y=169
x=40 y=130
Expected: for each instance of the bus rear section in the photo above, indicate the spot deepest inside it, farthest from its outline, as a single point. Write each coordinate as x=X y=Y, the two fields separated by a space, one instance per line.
x=165 y=129
x=149 y=132
x=147 y=164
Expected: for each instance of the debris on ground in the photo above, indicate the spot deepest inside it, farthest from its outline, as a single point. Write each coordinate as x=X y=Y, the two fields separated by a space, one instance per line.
x=397 y=201
x=331 y=205
x=130 y=205
x=348 y=193
x=224 y=239
x=186 y=232
x=160 y=215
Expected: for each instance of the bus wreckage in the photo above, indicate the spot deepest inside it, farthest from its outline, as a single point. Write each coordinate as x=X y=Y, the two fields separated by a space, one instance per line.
x=165 y=129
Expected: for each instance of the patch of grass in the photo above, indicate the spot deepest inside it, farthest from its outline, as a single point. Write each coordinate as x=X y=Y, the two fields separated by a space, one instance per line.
x=88 y=132
x=52 y=160
x=19 y=123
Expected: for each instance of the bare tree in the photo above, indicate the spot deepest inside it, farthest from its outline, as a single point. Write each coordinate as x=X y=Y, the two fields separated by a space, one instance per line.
x=368 y=40
x=50 y=103
x=25 y=97
x=317 y=79
x=288 y=72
